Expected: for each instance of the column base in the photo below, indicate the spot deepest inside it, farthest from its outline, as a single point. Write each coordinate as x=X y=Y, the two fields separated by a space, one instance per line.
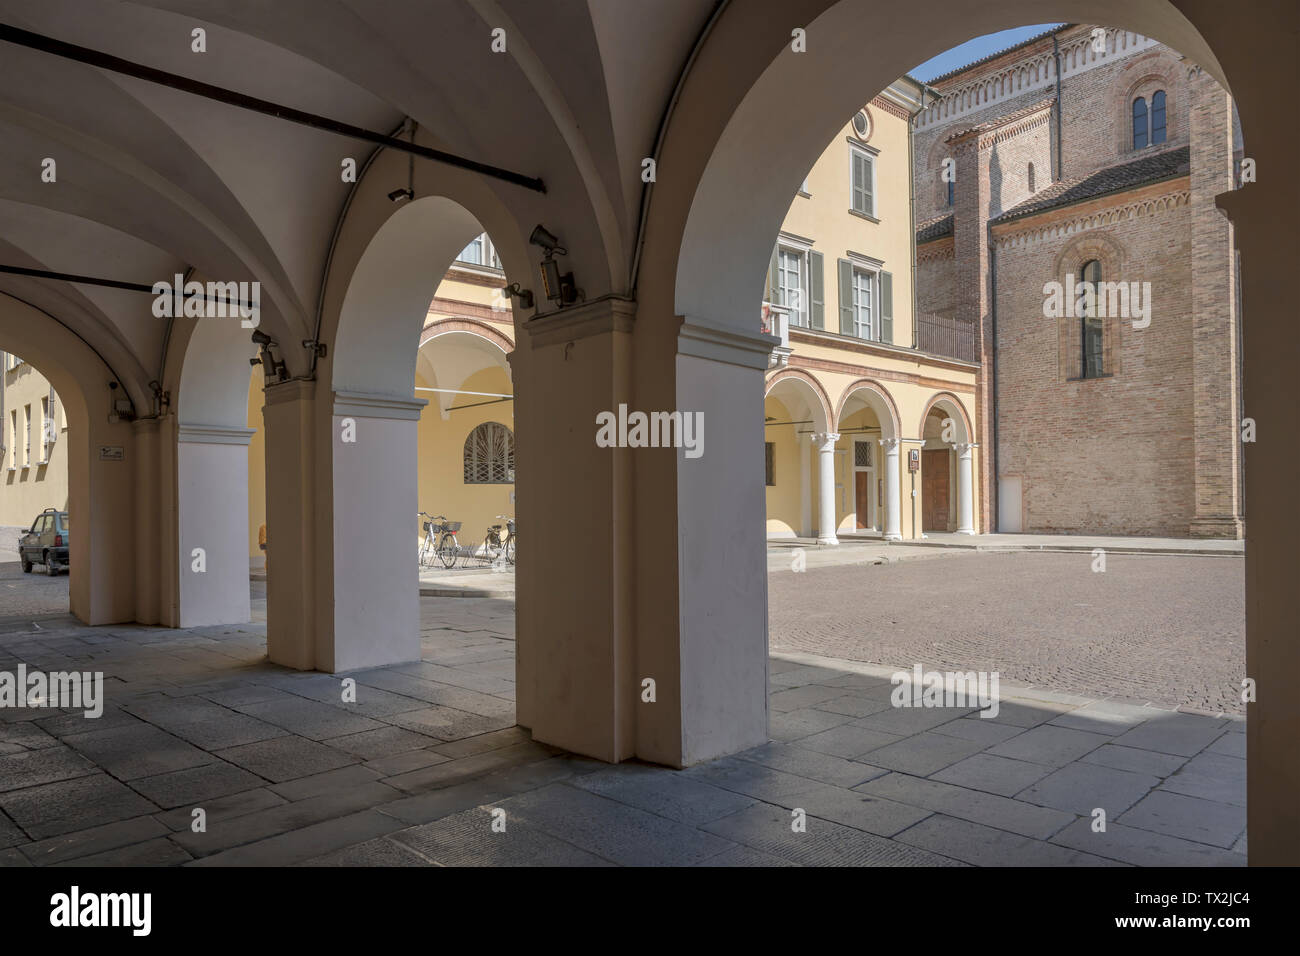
x=964 y=531
x=831 y=539
x=1217 y=526
x=894 y=537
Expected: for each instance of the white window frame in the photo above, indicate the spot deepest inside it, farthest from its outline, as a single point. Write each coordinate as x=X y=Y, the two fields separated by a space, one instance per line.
x=802 y=317
x=856 y=151
x=487 y=251
x=873 y=290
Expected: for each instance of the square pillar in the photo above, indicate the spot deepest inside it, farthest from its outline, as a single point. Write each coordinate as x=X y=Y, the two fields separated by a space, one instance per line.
x=576 y=679
x=212 y=509
x=376 y=582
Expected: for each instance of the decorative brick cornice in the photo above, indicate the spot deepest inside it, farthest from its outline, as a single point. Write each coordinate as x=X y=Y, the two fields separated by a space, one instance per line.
x=937 y=251
x=1058 y=223
x=893 y=109
x=1019 y=71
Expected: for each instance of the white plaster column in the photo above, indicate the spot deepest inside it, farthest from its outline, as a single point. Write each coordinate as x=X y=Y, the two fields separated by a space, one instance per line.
x=292 y=525
x=825 y=442
x=965 y=501
x=893 y=519
x=805 y=485
x=376 y=602
x=212 y=508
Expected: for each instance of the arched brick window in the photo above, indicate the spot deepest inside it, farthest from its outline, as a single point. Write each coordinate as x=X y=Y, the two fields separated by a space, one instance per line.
x=490 y=455
x=1090 y=327
x=1140 y=123
x=1149 y=125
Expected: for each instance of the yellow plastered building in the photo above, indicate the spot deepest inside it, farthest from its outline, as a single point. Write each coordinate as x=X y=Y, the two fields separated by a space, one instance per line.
x=869 y=412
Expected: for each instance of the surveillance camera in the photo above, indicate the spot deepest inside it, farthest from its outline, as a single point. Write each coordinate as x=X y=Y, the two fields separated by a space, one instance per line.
x=542 y=237
x=261 y=338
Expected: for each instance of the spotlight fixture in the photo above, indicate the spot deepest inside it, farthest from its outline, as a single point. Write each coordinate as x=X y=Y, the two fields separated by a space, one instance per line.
x=274 y=370
x=544 y=238
x=525 y=295
x=559 y=287
x=400 y=195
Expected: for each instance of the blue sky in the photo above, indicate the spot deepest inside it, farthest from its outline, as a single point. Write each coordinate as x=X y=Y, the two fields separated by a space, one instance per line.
x=975 y=49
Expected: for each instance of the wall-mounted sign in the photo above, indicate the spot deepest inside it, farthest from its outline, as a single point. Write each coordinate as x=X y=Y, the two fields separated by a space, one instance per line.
x=111 y=453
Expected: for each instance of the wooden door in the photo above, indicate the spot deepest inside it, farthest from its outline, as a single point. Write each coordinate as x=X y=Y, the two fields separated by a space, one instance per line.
x=862 y=495
x=934 y=489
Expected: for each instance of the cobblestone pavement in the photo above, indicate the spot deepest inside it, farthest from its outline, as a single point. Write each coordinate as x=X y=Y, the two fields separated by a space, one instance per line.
x=27 y=597
x=289 y=773
x=1163 y=629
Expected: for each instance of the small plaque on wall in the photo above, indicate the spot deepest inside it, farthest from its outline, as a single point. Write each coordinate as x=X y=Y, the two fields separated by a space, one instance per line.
x=111 y=453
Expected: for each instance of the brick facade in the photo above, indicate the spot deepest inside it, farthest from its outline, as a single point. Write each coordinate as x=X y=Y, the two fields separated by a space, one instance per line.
x=1150 y=445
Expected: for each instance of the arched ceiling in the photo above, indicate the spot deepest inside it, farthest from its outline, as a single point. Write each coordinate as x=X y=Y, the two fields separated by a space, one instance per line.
x=152 y=181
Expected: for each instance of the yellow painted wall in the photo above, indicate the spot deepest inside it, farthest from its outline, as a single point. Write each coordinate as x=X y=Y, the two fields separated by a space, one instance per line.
x=784 y=501
x=442 y=487
x=27 y=487
x=823 y=216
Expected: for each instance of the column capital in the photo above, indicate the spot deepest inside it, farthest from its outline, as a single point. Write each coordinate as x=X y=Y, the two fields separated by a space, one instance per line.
x=825 y=440
x=964 y=447
x=890 y=444
x=370 y=405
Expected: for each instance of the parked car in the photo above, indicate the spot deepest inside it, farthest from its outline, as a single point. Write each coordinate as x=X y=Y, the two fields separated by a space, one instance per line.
x=46 y=543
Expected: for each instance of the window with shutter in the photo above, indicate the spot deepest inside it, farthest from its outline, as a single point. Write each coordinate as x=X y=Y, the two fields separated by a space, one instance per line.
x=887 y=307
x=769 y=453
x=817 y=289
x=863 y=188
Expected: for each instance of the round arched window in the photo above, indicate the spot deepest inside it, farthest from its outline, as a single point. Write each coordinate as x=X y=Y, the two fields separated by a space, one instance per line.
x=490 y=455
x=862 y=124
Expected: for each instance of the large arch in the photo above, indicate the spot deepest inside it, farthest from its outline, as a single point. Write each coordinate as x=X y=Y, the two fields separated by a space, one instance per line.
x=709 y=232
x=109 y=473
x=207 y=376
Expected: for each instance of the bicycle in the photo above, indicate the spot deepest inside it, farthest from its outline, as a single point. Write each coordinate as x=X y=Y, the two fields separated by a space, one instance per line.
x=439 y=541
x=494 y=545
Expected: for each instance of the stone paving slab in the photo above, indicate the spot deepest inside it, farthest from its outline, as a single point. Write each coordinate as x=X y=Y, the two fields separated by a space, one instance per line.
x=992 y=774
x=1143 y=847
x=985 y=846
x=769 y=830
x=1081 y=788
x=986 y=808
x=1188 y=818
x=613 y=831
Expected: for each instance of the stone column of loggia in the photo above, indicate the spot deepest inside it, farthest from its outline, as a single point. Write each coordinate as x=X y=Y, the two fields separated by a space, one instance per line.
x=212 y=505
x=376 y=590
x=805 y=486
x=825 y=442
x=893 y=509
x=965 y=498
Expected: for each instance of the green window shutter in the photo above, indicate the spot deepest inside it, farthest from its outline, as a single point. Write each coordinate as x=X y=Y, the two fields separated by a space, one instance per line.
x=846 y=297
x=868 y=201
x=770 y=294
x=887 y=307
x=817 y=287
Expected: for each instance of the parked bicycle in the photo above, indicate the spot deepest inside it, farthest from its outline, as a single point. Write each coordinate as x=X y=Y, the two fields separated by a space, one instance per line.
x=439 y=541
x=493 y=543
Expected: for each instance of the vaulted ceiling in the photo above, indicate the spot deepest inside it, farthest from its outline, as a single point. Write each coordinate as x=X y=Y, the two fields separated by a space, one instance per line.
x=152 y=181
